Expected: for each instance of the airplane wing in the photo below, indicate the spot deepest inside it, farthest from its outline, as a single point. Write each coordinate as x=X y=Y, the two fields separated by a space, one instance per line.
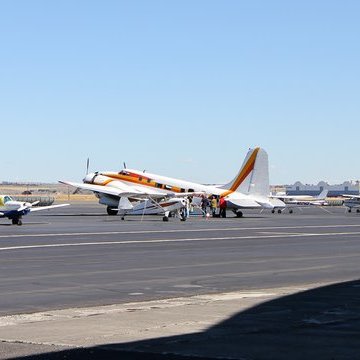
x=126 y=191
x=291 y=197
x=39 y=208
x=351 y=196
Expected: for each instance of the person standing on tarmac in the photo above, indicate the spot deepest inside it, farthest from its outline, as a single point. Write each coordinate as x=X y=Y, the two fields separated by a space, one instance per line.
x=204 y=204
x=213 y=205
x=222 y=206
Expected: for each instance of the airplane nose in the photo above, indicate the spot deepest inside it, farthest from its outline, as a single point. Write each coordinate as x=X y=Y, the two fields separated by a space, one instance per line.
x=89 y=178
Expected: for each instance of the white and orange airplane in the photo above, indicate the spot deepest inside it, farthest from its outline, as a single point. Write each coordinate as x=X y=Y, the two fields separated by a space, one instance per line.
x=134 y=192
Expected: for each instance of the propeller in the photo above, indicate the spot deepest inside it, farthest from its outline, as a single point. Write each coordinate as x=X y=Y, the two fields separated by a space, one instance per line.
x=87 y=165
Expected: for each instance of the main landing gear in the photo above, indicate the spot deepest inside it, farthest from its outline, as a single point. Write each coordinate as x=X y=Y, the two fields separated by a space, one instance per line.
x=278 y=211
x=111 y=211
x=16 y=221
x=239 y=214
x=166 y=216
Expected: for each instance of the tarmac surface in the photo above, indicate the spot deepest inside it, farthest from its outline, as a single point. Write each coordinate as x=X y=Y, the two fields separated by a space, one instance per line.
x=78 y=284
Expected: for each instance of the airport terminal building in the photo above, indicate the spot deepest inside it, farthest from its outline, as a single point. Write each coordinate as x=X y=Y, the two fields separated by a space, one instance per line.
x=348 y=187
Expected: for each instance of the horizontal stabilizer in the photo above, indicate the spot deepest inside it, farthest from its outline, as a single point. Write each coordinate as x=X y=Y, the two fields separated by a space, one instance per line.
x=244 y=203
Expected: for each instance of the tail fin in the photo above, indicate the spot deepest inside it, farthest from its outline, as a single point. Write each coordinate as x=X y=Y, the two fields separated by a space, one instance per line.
x=322 y=195
x=253 y=177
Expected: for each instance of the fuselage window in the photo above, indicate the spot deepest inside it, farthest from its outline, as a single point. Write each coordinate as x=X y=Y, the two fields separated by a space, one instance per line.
x=149 y=181
x=6 y=199
x=140 y=178
x=182 y=190
x=158 y=185
x=191 y=190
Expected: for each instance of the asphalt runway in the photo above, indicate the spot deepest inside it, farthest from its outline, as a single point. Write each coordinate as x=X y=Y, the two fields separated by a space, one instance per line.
x=204 y=288
x=78 y=256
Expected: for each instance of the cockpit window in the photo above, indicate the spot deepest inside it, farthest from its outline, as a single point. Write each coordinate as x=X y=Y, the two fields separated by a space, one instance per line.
x=6 y=199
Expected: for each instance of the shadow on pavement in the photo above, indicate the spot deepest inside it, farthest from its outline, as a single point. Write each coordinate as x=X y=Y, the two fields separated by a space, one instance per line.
x=322 y=323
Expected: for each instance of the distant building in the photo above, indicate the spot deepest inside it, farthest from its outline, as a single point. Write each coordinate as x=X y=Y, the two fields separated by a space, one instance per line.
x=348 y=187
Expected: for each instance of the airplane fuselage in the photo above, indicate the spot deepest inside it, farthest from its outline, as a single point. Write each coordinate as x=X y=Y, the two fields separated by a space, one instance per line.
x=142 y=181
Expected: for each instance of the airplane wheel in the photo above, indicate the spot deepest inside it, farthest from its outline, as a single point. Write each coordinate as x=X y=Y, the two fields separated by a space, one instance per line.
x=279 y=211
x=165 y=218
x=111 y=211
x=349 y=210
x=19 y=222
x=122 y=218
x=14 y=221
x=291 y=211
x=358 y=210
x=239 y=214
x=273 y=211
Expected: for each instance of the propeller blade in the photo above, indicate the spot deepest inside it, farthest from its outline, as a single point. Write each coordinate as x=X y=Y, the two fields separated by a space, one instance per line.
x=87 y=165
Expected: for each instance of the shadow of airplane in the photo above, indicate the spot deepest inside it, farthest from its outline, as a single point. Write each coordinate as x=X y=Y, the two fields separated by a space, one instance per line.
x=322 y=324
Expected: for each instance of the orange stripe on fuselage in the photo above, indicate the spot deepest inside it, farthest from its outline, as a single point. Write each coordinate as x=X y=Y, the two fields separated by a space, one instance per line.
x=104 y=183
x=249 y=166
x=146 y=181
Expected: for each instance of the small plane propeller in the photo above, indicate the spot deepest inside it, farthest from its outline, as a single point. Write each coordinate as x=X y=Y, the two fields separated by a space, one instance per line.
x=27 y=205
x=87 y=165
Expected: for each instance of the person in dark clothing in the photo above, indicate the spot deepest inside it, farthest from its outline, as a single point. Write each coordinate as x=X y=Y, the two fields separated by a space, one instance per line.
x=204 y=205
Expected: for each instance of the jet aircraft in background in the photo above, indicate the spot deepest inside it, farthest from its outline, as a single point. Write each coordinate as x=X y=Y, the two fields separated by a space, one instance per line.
x=139 y=192
x=300 y=201
x=15 y=210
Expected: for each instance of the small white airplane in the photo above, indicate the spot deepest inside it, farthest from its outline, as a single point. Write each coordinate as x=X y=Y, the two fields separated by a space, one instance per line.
x=299 y=201
x=351 y=202
x=15 y=210
x=134 y=192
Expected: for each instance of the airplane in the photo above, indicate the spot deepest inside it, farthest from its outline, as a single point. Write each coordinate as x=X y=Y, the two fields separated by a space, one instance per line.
x=131 y=192
x=302 y=200
x=352 y=201
x=15 y=210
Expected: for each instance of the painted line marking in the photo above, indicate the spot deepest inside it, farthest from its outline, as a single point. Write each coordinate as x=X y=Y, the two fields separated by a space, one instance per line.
x=179 y=230
x=155 y=241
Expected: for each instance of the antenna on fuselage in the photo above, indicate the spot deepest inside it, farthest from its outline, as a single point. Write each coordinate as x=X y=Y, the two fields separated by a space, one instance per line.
x=124 y=164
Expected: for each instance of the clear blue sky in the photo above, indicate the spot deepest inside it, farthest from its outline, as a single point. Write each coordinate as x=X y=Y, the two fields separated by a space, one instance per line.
x=180 y=88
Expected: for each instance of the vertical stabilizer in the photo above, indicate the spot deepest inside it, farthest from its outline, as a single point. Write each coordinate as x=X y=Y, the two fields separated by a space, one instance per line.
x=322 y=195
x=253 y=177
